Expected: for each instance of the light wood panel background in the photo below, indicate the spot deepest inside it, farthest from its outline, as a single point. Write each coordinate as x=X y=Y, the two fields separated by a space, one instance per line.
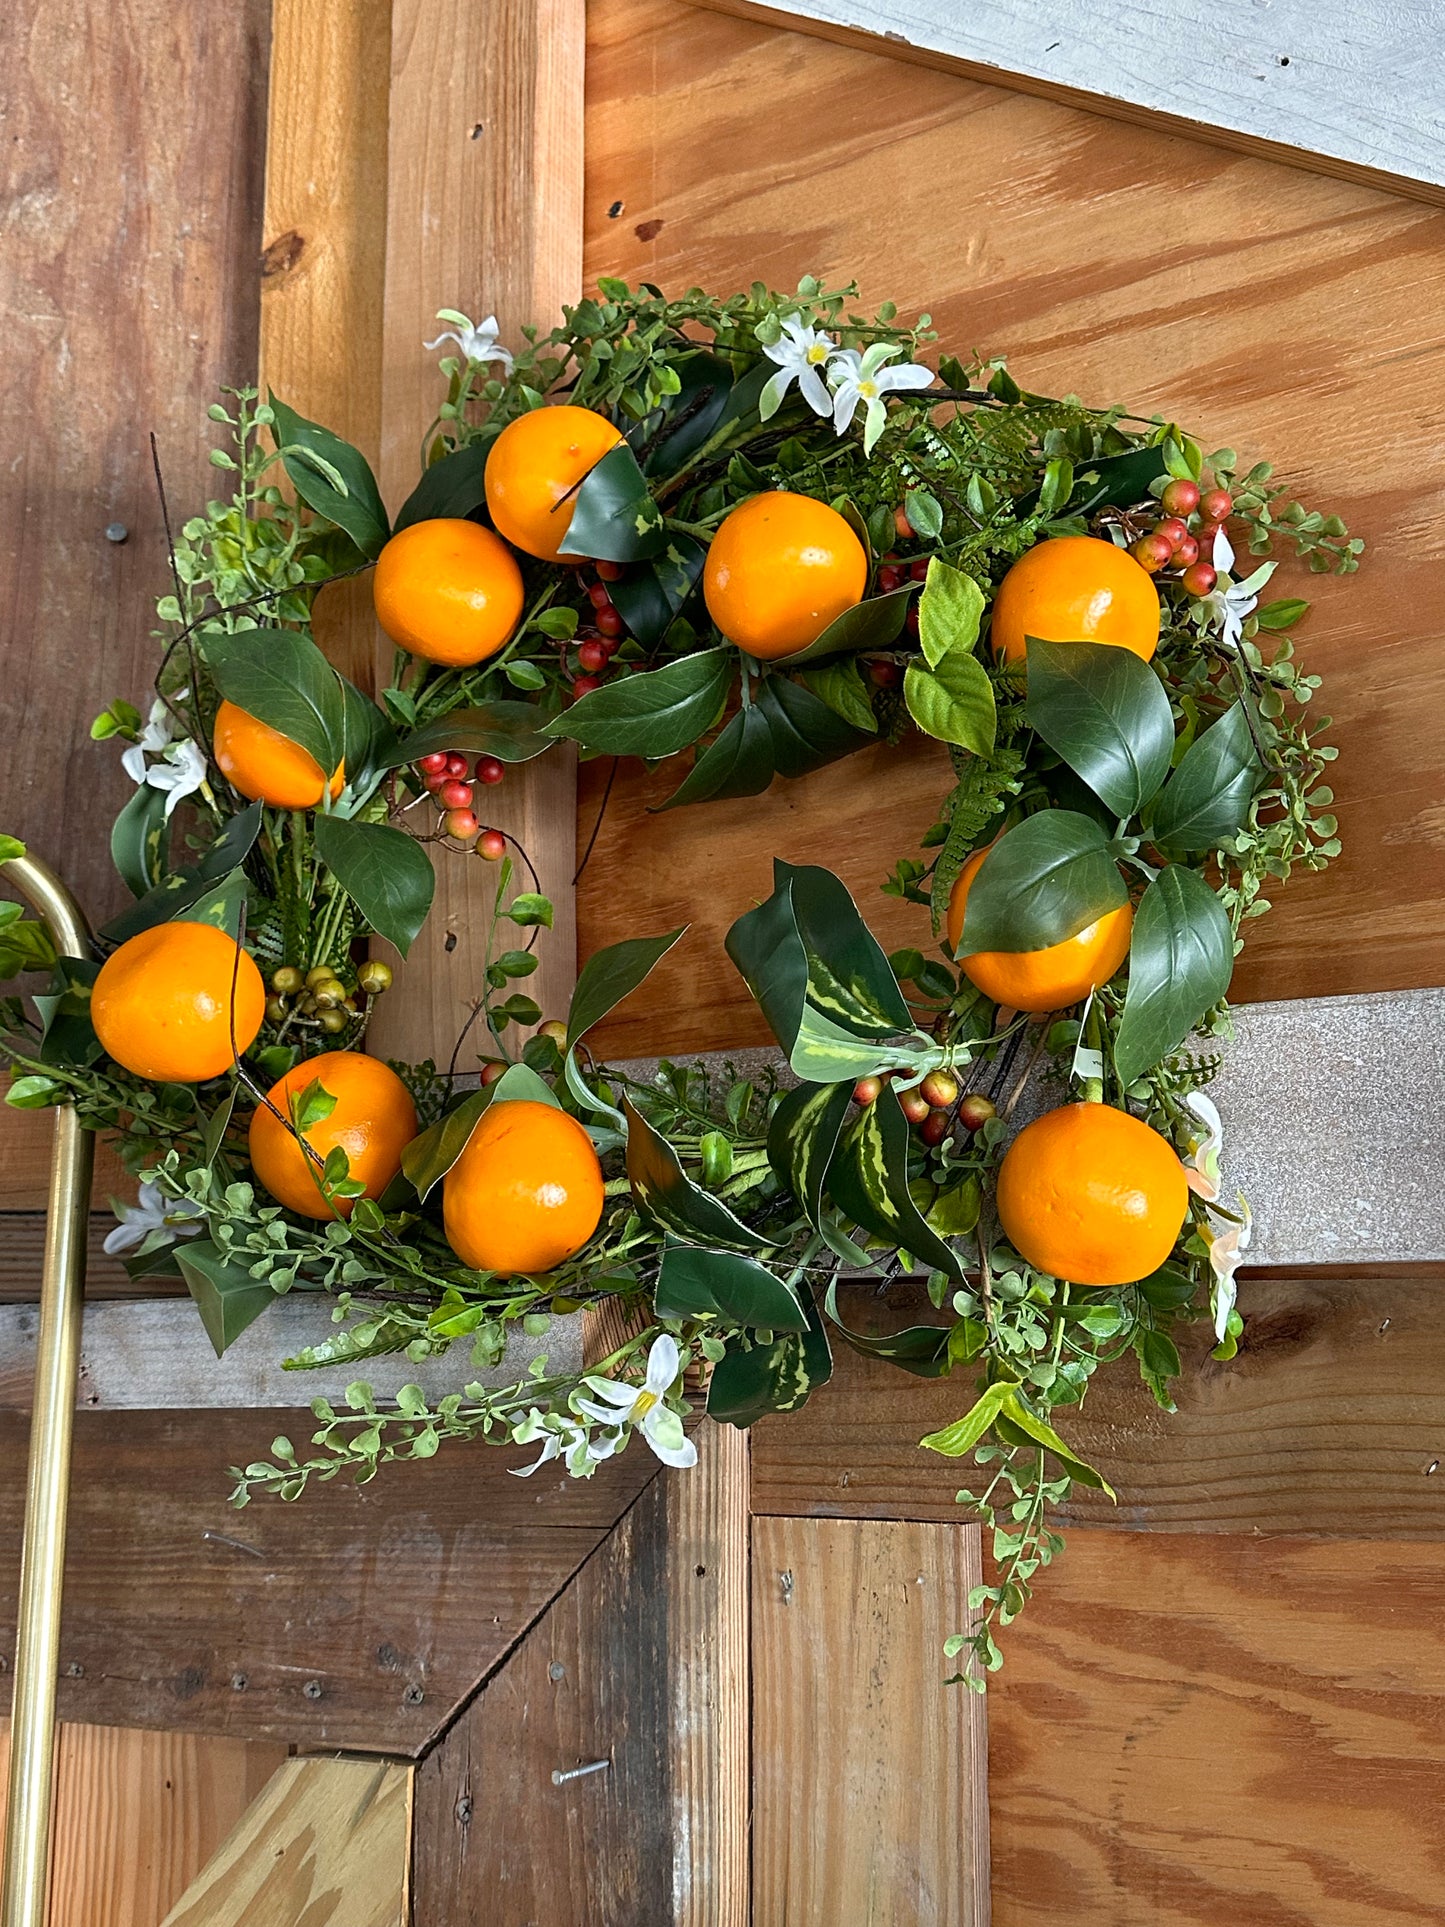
x=1281 y=312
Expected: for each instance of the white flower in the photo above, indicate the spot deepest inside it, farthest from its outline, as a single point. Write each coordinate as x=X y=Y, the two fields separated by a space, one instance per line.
x=182 y=770
x=1229 y=602
x=800 y=356
x=153 y=1212
x=643 y=1405
x=1226 y=1255
x=477 y=341
x=1201 y=1167
x=157 y=736
x=863 y=378
x=561 y=1437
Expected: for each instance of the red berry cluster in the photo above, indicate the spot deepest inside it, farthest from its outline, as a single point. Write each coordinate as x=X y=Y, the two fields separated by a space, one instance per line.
x=446 y=774
x=1185 y=534
x=590 y=654
x=934 y=1106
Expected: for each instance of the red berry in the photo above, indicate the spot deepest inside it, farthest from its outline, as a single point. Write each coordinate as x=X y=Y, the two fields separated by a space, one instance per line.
x=455 y=795
x=976 y=1110
x=609 y=622
x=609 y=645
x=462 y=824
x=911 y=621
x=610 y=571
x=866 y=1090
x=492 y=844
x=456 y=764
x=492 y=1068
x=919 y=569
x=437 y=760
x=893 y=556
x=1180 y=497
x=940 y=1088
x=934 y=1128
x=490 y=769
x=598 y=596
x=885 y=675
x=1216 y=505
x=889 y=580
x=902 y=523
x=1186 y=554
x=593 y=656
x=1151 y=552
x=1200 y=578
x=436 y=778
x=915 y=1106
x=584 y=685
x=1172 y=529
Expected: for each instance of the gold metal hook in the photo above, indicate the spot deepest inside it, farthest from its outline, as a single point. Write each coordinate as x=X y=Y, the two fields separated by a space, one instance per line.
x=23 y=1902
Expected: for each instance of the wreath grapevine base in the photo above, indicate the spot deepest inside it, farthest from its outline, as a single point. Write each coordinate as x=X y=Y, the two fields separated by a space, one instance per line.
x=1165 y=788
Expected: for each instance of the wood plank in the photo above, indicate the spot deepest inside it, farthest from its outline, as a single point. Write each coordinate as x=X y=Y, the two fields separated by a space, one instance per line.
x=1192 y=70
x=1330 y=1420
x=327 y=1842
x=484 y=213
x=768 y=154
x=1200 y=1730
x=22 y=1247
x=870 y=1795
x=138 y=1814
x=26 y=1138
x=640 y=1663
x=358 y=1618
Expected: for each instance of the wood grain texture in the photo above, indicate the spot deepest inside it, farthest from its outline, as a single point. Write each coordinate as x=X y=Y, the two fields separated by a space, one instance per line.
x=360 y=1618
x=870 y=1794
x=26 y=1138
x=1258 y=86
x=22 y=1247
x=326 y=1842
x=138 y=1814
x=767 y=154
x=1189 y=1731
x=640 y=1662
x=1330 y=1420
x=484 y=213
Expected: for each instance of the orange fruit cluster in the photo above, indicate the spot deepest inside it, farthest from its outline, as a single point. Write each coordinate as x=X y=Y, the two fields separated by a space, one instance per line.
x=526 y=1193
x=373 y=1121
x=164 y=1006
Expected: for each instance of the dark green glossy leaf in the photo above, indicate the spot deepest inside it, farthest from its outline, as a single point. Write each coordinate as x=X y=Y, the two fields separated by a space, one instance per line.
x=178 y=893
x=953 y=702
x=1043 y=881
x=281 y=678
x=227 y=1296
x=67 y=1034
x=868 y=1181
x=849 y=976
x=331 y=477
x=923 y=1350
x=738 y=763
x=138 y=840
x=368 y=744
x=1106 y=713
x=218 y=1123
x=802 y=1137
x=614 y=518
x=652 y=712
x=695 y=1283
x=667 y=1195
x=652 y=594
x=386 y=873
x=507 y=730
x=221 y=904
x=428 y=1158
x=1208 y=797
x=454 y=486
x=876 y=623
x=610 y=975
x=780 y=1377
x=1115 y=481
x=1180 y=962
x=805 y=732
x=692 y=414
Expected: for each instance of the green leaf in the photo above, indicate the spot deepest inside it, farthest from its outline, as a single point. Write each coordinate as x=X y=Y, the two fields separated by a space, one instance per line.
x=312 y=1106
x=24 y=943
x=689 y=417
x=925 y=515
x=428 y=1158
x=138 y=840
x=695 y=1283
x=653 y=593
x=953 y=702
x=33 y=1093
x=949 y=613
x=222 y=905
x=1044 y=880
x=182 y=892
x=218 y=1124
x=1014 y=1413
x=1283 y=614
x=747 y=1385
x=802 y=1137
x=368 y=746
x=281 y=678
x=331 y=477
x=954 y=1213
x=841 y=686
x=614 y=518
x=385 y=872
x=875 y=623
x=528 y=908
x=10 y=848
x=520 y=1084
x=1207 y=799
x=805 y=732
x=653 y=712
x=955 y=1440
x=738 y=763
x=868 y=1181
x=922 y=1350
x=610 y=975
x=506 y=730
x=452 y=487
x=227 y=1296
x=1180 y=961
x=1106 y=713
x=665 y=1193
x=1115 y=481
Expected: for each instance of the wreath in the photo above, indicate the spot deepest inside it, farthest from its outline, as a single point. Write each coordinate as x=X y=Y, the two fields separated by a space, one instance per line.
x=760 y=534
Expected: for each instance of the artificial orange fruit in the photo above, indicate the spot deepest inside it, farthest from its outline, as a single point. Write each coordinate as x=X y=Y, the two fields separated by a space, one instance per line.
x=374 y=1120
x=525 y=1193
x=779 y=570
x=265 y=765
x=448 y=590
x=1049 y=979
x=162 y=1004
x=1091 y=1194
x=1076 y=589
x=533 y=470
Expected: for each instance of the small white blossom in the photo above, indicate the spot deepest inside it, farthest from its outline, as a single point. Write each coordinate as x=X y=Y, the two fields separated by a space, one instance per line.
x=1229 y=602
x=863 y=379
x=179 y=773
x=618 y=1405
x=1201 y=1167
x=477 y=340
x=157 y=736
x=171 y=1218
x=562 y=1437
x=801 y=357
x=1226 y=1255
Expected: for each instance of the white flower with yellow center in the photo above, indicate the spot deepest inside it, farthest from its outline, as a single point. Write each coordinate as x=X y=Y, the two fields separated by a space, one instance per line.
x=618 y=1405
x=170 y=1218
x=863 y=381
x=477 y=340
x=801 y=356
x=181 y=771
